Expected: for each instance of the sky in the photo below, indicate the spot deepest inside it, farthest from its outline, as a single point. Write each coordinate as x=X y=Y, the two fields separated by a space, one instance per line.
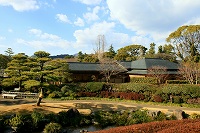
x=70 y=26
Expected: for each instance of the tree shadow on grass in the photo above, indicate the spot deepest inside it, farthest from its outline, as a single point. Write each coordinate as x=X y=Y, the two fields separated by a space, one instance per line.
x=16 y=101
x=105 y=107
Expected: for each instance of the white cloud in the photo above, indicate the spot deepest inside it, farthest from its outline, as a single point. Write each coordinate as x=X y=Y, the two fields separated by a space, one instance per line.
x=10 y=30
x=193 y=21
x=21 y=5
x=2 y=38
x=89 y=2
x=154 y=18
x=62 y=18
x=42 y=35
x=88 y=36
x=40 y=44
x=141 y=40
x=35 y=31
x=79 y=22
x=92 y=16
x=44 y=40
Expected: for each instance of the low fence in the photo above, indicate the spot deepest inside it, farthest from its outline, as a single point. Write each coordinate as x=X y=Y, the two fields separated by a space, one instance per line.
x=19 y=94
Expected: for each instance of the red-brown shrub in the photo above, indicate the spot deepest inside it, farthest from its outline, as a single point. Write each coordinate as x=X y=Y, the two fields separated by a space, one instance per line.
x=105 y=94
x=87 y=94
x=157 y=98
x=194 y=101
x=174 y=126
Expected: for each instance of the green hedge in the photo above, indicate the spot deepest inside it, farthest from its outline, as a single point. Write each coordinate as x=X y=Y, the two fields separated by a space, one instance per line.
x=177 y=82
x=136 y=87
x=150 y=80
x=94 y=86
x=183 y=89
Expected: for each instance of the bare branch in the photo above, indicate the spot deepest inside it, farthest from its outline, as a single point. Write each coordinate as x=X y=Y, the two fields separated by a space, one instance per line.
x=110 y=67
x=159 y=72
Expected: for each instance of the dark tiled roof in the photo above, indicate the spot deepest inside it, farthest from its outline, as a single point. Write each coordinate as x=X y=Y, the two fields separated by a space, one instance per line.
x=147 y=63
x=126 y=64
x=136 y=67
x=81 y=66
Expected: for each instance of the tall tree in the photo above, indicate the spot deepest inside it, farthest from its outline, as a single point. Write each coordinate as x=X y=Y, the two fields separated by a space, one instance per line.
x=160 y=49
x=168 y=49
x=39 y=70
x=166 y=52
x=81 y=56
x=40 y=57
x=190 y=71
x=186 y=40
x=100 y=46
x=111 y=52
x=130 y=53
x=90 y=58
x=151 y=52
x=58 y=71
x=9 y=52
x=16 y=70
x=4 y=60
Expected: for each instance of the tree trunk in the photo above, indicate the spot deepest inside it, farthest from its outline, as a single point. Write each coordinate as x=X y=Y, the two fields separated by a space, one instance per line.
x=39 y=101
x=40 y=98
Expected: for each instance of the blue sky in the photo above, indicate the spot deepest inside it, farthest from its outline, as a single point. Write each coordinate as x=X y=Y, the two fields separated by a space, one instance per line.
x=70 y=26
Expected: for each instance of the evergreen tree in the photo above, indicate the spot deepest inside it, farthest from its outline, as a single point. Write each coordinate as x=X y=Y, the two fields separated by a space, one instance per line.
x=16 y=70
x=111 y=52
x=151 y=51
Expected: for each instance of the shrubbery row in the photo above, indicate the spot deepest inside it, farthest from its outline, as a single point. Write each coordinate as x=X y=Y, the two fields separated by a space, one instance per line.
x=174 y=93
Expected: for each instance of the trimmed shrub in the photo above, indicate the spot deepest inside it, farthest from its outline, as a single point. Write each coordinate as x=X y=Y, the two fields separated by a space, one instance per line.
x=195 y=116
x=173 y=126
x=38 y=120
x=165 y=98
x=16 y=121
x=64 y=89
x=86 y=94
x=121 y=118
x=55 y=94
x=177 y=82
x=157 y=98
x=20 y=123
x=135 y=87
x=105 y=94
x=94 y=86
x=150 y=80
x=104 y=119
x=139 y=116
x=183 y=89
x=177 y=99
x=69 y=118
x=53 y=128
x=160 y=117
x=193 y=101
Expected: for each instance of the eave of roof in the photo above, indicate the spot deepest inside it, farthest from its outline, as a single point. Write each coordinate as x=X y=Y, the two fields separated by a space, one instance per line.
x=144 y=72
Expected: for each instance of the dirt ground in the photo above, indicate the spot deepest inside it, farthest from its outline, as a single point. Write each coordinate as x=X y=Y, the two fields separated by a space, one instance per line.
x=51 y=106
x=84 y=106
